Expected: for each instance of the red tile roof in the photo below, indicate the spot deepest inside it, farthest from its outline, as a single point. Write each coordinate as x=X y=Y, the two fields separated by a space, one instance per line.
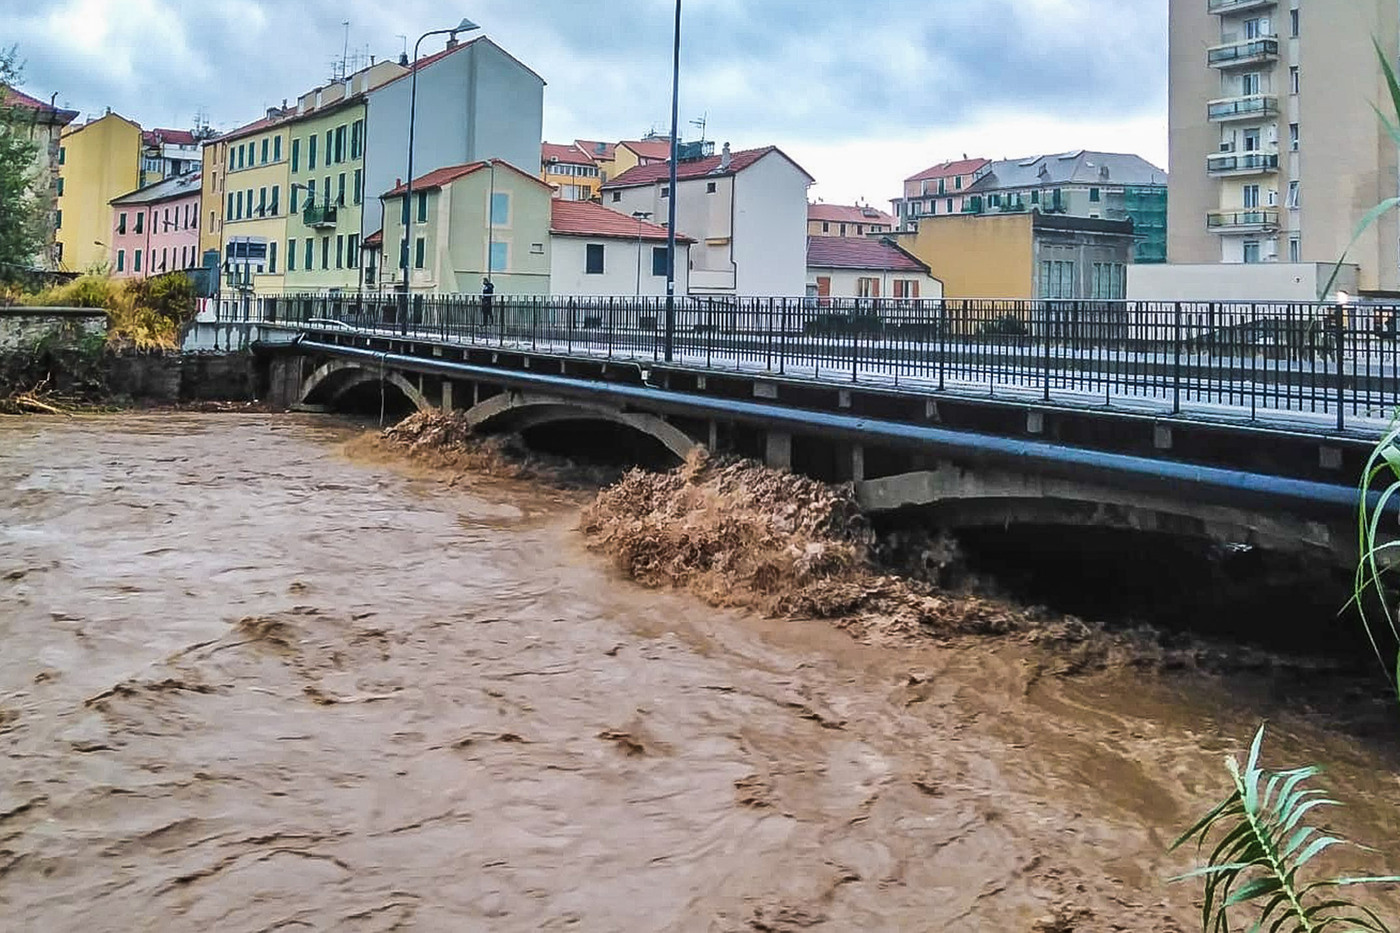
x=952 y=169
x=661 y=171
x=848 y=214
x=584 y=218
x=603 y=152
x=13 y=97
x=832 y=252
x=168 y=137
x=442 y=177
x=570 y=155
x=654 y=149
x=374 y=239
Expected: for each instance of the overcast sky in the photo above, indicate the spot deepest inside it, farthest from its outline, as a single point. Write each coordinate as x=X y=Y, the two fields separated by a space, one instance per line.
x=861 y=92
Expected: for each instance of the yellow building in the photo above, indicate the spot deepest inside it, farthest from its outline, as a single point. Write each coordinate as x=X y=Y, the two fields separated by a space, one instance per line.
x=247 y=200
x=571 y=172
x=97 y=161
x=632 y=153
x=604 y=155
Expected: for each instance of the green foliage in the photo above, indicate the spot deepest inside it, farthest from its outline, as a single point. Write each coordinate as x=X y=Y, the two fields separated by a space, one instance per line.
x=1007 y=325
x=1380 y=493
x=148 y=314
x=22 y=210
x=1265 y=841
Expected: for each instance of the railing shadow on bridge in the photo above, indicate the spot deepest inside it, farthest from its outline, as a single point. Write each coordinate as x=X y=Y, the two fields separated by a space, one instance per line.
x=1240 y=359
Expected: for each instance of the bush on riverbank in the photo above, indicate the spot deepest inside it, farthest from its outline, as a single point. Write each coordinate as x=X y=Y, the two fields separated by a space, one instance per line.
x=142 y=314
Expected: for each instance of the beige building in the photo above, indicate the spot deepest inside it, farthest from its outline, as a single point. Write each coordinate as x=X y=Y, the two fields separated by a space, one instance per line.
x=1276 y=150
x=42 y=124
x=846 y=220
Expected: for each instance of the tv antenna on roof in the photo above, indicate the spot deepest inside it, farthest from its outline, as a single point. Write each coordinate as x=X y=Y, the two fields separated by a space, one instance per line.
x=701 y=124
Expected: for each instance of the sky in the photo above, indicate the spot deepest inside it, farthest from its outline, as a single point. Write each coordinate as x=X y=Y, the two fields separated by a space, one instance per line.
x=861 y=93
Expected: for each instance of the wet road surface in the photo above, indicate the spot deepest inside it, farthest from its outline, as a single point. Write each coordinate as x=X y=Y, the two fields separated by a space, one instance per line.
x=250 y=683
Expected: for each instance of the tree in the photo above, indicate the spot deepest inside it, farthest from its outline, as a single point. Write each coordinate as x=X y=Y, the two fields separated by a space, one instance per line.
x=22 y=210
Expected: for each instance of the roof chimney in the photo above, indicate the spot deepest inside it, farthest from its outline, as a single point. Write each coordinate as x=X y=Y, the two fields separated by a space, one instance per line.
x=452 y=43
x=403 y=59
x=726 y=158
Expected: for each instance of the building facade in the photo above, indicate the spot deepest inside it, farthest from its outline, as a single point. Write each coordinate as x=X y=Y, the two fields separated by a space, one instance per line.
x=937 y=190
x=571 y=171
x=155 y=229
x=746 y=211
x=467 y=223
x=97 y=161
x=166 y=153
x=42 y=124
x=599 y=252
x=1276 y=149
x=847 y=220
x=326 y=192
x=866 y=267
x=253 y=165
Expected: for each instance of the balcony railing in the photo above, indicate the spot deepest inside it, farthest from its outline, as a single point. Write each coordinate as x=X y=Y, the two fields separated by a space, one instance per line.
x=319 y=216
x=1242 y=163
x=1224 y=7
x=1253 y=106
x=1247 y=52
x=1248 y=219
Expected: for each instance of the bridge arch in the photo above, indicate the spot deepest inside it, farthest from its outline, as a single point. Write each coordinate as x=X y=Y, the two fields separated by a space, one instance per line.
x=522 y=411
x=335 y=379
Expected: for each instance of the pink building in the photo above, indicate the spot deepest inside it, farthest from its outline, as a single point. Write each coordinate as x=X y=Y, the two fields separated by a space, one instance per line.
x=155 y=229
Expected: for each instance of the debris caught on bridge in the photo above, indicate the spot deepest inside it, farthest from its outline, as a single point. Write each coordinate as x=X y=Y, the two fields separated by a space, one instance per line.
x=741 y=535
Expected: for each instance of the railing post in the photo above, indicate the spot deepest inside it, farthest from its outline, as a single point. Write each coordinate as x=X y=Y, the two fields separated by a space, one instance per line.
x=782 y=339
x=534 y=322
x=769 y=365
x=1176 y=364
x=1254 y=362
x=1338 y=340
x=1045 y=324
x=855 y=341
x=942 y=343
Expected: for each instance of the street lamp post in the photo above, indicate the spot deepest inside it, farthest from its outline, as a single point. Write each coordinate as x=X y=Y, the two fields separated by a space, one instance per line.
x=671 y=225
x=465 y=25
x=640 y=216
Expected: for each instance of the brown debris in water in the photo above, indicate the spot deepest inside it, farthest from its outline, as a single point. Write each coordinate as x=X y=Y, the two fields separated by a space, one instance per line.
x=741 y=535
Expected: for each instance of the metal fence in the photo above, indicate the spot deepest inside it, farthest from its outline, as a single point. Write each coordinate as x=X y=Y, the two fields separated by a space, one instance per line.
x=1339 y=361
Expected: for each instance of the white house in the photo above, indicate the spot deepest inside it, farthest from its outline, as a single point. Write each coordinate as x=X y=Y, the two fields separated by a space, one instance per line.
x=747 y=212
x=595 y=251
x=866 y=267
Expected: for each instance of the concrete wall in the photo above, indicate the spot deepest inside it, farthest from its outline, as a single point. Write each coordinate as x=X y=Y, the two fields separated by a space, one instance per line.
x=770 y=228
x=22 y=328
x=475 y=104
x=987 y=256
x=568 y=267
x=1236 y=282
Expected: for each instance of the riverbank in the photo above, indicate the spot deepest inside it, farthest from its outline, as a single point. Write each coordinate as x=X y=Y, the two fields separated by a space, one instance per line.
x=258 y=675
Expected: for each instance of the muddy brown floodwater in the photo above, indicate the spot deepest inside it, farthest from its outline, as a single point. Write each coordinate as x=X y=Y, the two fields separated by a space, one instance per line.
x=249 y=683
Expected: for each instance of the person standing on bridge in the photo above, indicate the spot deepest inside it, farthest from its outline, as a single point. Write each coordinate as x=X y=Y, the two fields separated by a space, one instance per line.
x=488 y=289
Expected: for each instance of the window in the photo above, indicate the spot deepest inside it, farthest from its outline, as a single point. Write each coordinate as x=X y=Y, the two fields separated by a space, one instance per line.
x=340 y=190
x=867 y=288
x=616 y=196
x=352 y=251
x=1251 y=196
x=942 y=186
x=310 y=192
x=241 y=156
x=296 y=156
x=229 y=213
x=500 y=209
x=262 y=202
x=1253 y=28
x=1295 y=249
x=330 y=147
x=906 y=288
x=277 y=149
x=140 y=221
x=420 y=253
x=659 y=264
x=1251 y=251
x=826 y=227
x=136 y=261
x=357 y=139
x=1294 y=194
x=310 y=254
x=843 y=229
x=711 y=187
x=60 y=187
x=340 y=143
x=950 y=205
x=311 y=152
x=1293 y=136
x=292 y=255
x=1250 y=83
x=1035 y=197
x=957 y=183
x=1293 y=80
x=340 y=252
x=665 y=191
x=121 y=260
x=213 y=222
x=1293 y=23
x=264 y=151
x=276 y=197
x=500 y=256
x=272 y=258
x=422 y=207
x=359 y=184
x=325 y=252
x=593 y=259
x=121 y=223
x=62 y=155
x=295 y=189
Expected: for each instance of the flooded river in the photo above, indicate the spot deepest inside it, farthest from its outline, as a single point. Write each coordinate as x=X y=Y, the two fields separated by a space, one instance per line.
x=248 y=682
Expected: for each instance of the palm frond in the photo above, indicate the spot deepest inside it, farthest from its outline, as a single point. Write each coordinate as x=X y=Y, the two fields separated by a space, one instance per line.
x=1264 y=843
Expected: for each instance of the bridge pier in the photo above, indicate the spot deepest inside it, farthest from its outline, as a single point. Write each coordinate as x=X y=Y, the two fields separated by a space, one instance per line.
x=857 y=463
x=447 y=395
x=779 y=450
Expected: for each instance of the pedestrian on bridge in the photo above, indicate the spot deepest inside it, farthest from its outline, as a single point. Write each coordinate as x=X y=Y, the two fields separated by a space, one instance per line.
x=488 y=289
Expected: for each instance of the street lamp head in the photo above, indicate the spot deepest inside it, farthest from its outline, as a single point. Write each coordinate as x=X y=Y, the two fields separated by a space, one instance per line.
x=465 y=25
x=642 y=215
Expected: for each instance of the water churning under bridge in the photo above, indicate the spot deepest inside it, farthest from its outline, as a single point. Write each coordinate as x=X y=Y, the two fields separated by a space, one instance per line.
x=248 y=682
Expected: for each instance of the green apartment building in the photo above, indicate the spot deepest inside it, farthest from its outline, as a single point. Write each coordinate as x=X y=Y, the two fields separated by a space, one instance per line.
x=327 y=173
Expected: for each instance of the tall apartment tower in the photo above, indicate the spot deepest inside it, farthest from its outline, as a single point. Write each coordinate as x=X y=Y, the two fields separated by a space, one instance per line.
x=1276 y=149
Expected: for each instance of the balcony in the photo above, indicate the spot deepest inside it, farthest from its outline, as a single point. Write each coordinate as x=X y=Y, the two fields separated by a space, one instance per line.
x=1252 y=107
x=1246 y=52
x=1222 y=164
x=1226 y=7
x=321 y=217
x=1247 y=220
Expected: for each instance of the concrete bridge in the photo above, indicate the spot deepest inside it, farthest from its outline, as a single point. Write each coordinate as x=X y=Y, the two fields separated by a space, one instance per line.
x=1283 y=481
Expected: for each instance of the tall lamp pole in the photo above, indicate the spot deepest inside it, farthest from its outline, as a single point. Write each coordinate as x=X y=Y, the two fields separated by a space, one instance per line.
x=671 y=226
x=465 y=25
x=640 y=216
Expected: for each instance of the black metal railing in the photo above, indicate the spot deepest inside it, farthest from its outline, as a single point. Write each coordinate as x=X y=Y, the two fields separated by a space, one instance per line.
x=1221 y=360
